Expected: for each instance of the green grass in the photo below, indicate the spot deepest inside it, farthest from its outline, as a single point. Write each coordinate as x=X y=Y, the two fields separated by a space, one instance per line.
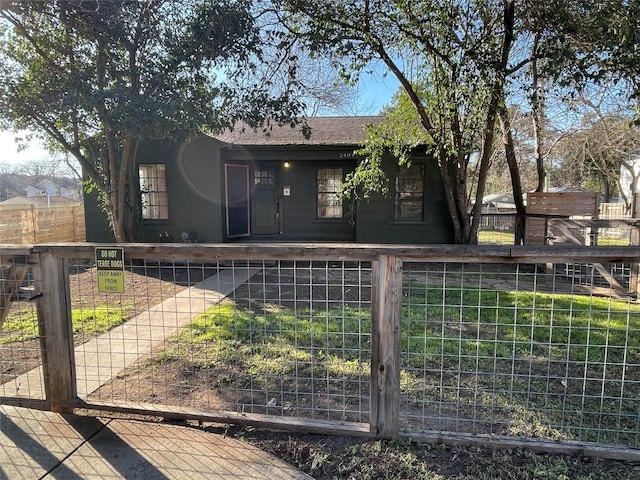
x=22 y=325
x=507 y=238
x=508 y=324
x=613 y=241
x=541 y=365
x=523 y=345
x=275 y=341
x=495 y=236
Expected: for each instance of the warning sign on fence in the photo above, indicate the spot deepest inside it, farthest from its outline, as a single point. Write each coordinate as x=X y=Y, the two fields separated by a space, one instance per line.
x=110 y=267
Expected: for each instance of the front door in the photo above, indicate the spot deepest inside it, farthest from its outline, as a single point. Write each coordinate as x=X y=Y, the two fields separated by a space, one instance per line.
x=264 y=205
x=237 y=199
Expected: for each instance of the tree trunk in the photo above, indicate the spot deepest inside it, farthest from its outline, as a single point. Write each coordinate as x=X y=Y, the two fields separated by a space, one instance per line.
x=120 y=190
x=536 y=115
x=495 y=103
x=607 y=188
x=516 y=185
x=450 y=179
x=129 y=184
x=117 y=224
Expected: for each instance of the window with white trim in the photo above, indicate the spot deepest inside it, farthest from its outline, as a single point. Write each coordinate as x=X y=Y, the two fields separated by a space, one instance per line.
x=153 y=189
x=329 y=182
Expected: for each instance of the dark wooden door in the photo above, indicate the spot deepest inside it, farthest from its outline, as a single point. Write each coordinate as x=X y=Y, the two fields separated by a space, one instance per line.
x=264 y=203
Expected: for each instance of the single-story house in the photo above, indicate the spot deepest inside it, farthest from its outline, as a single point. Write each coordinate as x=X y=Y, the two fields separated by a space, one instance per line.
x=498 y=202
x=280 y=184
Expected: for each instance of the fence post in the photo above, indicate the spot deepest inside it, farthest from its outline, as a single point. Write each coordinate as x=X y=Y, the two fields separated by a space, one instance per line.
x=54 y=318
x=386 y=304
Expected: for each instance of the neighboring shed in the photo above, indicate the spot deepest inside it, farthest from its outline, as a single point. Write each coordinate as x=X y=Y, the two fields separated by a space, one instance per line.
x=281 y=184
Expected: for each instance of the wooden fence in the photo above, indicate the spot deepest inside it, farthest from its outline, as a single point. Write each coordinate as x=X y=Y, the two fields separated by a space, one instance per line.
x=458 y=344
x=543 y=205
x=29 y=224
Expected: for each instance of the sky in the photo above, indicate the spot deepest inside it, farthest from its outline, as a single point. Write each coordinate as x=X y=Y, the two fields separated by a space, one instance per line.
x=9 y=150
x=374 y=92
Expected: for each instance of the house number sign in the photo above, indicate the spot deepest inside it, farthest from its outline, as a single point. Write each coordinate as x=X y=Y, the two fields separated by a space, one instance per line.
x=110 y=269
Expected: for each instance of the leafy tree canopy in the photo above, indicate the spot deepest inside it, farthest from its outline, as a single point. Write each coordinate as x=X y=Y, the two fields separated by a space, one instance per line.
x=451 y=60
x=99 y=76
x=459 y=63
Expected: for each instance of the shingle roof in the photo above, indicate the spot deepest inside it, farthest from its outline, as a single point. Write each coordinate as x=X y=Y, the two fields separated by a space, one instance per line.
x=321 y=131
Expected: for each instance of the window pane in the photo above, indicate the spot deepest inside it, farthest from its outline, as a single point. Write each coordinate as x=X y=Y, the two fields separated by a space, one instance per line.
x=153 y=190
x=329 y=185
x=409 y=196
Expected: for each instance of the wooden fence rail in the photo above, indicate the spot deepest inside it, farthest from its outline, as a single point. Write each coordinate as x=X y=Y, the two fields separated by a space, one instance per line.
x=29 y=224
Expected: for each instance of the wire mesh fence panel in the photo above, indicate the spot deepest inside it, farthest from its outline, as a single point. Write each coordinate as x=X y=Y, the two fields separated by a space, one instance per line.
x=519 y=350
x=116 y=331
x=547 y=351
x=497 y=228
x=285 y=338
x=309 y=333
x=21 y=360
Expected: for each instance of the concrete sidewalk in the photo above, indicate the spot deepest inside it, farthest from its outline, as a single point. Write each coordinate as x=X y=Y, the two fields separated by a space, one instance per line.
x=36 y=444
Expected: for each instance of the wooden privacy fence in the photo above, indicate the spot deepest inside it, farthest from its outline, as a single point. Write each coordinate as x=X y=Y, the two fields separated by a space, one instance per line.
x=544 y=205
x=30 y=224
x=455 y=344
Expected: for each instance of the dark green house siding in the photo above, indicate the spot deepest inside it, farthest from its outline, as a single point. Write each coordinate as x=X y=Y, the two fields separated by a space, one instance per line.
x=193 y=189
x=95 y=221
x=376 y=217
x=275 y=193
x=296 y=213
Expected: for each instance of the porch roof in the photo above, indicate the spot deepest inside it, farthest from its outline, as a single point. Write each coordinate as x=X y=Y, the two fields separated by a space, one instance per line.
x=310 y=131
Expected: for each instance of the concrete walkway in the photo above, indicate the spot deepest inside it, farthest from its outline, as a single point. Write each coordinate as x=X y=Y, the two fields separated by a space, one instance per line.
x=45 y=445
x=102 y=358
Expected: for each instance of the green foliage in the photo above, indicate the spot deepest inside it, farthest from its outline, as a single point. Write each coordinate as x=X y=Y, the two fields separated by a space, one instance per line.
x=22 y=324
x=589 y=41
x=449 y=58
x=139 y=69
x=95 y=78
x=398 y=134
